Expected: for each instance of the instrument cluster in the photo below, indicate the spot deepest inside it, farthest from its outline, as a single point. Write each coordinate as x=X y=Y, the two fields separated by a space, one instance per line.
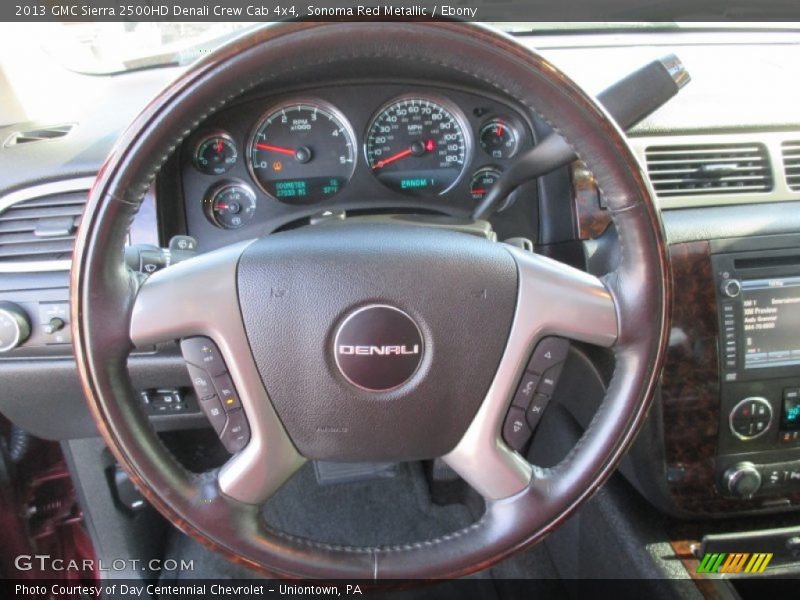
x=267 y=160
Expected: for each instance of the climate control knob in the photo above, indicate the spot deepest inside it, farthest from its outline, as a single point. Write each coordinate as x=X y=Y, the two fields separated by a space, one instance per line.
x=15 y=327
x=742 y=480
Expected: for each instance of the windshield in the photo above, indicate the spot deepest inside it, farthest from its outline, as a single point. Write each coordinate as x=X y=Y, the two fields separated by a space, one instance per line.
x=103 y=48
x=106 y=48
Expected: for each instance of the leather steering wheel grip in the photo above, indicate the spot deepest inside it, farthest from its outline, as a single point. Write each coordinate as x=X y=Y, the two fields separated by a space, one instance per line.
x=279 y=56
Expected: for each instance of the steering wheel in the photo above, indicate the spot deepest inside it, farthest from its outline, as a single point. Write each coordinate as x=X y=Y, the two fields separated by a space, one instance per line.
x=298 y=318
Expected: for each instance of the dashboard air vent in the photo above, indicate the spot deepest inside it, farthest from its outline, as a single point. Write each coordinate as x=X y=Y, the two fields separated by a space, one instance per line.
x=38 y=134
x=791 y=164
x=41 y=229
x=694 y=170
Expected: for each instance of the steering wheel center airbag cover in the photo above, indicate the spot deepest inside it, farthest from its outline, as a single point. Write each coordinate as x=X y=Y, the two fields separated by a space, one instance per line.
x=378 y=348
x=429 y=309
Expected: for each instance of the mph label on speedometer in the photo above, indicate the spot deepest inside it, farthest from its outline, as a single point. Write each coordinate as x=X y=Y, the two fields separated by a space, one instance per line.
x=417 y=145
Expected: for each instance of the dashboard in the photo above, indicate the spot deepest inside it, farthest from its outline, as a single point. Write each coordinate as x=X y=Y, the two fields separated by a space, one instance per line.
x=276 y=161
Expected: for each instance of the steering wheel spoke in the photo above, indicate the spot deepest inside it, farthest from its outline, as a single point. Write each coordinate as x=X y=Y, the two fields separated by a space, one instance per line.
x=556 y=299
x=199 y=297
x=553 y=300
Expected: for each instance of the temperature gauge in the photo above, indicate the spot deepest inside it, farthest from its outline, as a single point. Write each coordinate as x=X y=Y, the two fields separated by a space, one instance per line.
x=499 y=139
x=481 y=181
x=230 y=205
x=215 y=154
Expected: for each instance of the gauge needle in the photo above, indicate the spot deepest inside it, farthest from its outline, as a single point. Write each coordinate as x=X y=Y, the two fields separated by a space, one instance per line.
x=429 y=146
x=382 y=163
x=279 y=149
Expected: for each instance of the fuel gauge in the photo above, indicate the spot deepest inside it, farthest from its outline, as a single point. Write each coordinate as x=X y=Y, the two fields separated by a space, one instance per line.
x=230 y=205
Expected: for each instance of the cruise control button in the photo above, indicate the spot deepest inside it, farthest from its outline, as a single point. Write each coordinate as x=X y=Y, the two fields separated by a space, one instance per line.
x=549 y=380
x=226 y=392
x=527 y=386
x=515 y=430
x=201 y=381
x=536 y=410
x=550 y=351
x=236 y=433
x=203 y=353
x=215 y=413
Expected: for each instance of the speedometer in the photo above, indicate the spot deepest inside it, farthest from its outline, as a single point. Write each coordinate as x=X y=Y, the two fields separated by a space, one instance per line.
x=302 y=152
x=417 y=145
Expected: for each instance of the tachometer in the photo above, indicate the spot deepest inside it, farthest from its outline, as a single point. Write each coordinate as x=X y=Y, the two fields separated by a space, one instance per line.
x=303 y=152
x=417 y=145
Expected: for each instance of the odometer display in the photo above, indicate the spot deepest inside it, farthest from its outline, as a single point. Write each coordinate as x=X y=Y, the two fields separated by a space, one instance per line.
x=302 y=152
x=417 y=146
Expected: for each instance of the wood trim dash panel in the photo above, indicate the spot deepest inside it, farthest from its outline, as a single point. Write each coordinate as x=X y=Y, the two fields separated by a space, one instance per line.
x=690 y=380
x=690 y=390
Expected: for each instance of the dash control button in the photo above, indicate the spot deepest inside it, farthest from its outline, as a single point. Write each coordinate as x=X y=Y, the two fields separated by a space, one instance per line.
x=53 y=310
x=536 y=410
x=550 y=351
x=215 y=413
x=202 y=352
x=201 y=381
x=227 y=393
x=515 y=430
x=527 y=386
x=549 y=380
x=750 y=418
x=236 y=433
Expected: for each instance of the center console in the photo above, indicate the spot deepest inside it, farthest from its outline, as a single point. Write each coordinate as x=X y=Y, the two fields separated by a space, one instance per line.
x=722 y=439
x=757 y=283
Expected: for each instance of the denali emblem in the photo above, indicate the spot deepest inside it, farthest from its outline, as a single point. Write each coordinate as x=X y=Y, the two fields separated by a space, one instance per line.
x=378 y=348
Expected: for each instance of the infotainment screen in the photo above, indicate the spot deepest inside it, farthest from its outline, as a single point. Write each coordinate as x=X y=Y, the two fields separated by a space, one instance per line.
x=771 y=313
